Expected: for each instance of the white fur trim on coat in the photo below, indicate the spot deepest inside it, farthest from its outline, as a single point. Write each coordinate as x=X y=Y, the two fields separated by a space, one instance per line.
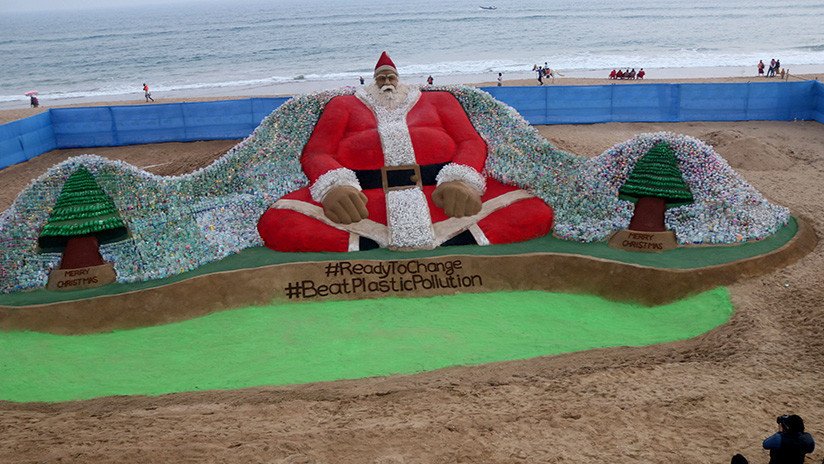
x=392 y=128
x=334 y=178
x=463 y=173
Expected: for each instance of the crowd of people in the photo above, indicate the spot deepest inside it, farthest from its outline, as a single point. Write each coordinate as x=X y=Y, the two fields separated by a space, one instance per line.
x=628 y=74
x=775 y=69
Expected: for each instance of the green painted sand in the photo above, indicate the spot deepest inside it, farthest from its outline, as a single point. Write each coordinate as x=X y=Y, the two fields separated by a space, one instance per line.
x=311 y=342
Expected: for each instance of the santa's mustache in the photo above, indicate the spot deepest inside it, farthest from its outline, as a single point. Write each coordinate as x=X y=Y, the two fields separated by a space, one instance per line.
x=388 y=88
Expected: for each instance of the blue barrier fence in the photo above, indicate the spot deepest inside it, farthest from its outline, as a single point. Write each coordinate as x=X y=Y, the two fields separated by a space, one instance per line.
x=24 y=139
x=175 y=122
x=234 y=119
x=663 y=102
x=818 y=112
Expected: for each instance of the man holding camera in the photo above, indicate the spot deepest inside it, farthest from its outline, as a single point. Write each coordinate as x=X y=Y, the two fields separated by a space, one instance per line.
x=791 y=443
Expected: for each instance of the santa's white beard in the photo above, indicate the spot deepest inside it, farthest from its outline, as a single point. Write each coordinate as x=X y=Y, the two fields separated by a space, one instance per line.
x=388 y=96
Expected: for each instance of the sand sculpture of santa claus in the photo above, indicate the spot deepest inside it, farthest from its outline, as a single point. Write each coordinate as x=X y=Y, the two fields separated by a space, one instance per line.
x=396 y=167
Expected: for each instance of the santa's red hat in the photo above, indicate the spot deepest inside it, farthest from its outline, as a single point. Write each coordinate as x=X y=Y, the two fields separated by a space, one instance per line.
x=385 y=63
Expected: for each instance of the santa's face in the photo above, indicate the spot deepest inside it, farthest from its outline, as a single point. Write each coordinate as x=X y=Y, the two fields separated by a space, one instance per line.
x=387 y=81
x=387 y=90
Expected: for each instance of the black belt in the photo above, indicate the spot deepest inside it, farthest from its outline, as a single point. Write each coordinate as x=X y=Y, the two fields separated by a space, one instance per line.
x=399 y=177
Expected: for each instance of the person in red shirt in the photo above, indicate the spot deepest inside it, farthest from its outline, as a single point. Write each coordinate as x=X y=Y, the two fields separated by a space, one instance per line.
x=146 y=93
x=641 y=74
x=619 y=74
x=612 y=74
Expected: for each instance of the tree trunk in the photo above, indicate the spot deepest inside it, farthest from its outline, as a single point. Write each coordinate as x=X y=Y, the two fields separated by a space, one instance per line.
x=649 y=214
x=81 y=252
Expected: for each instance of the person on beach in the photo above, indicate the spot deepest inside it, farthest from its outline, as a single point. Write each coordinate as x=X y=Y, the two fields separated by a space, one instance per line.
x=777 y=67
x=612 y=74
x=429 y=80
x=760 y=67
x=787 y=446
x=400 y=167
x=540 y=76
x=500 y=79
x=361 y=80
x=619 y=74
x=631 y=74
x=641 y=74
x=146 y=93
x=790 y=443
x=34 y=101
x=771 y=70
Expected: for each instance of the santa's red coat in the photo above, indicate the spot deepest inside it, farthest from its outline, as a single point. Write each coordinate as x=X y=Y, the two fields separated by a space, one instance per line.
x=347 y=137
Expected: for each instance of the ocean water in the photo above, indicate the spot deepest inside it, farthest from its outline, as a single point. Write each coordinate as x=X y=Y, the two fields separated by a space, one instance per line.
x=243 y=44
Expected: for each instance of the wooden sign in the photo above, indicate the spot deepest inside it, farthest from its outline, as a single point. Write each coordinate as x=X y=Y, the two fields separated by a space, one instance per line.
x=81 y=278
x=649 y=242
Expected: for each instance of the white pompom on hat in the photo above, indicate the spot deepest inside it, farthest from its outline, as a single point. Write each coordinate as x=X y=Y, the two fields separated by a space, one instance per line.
x=385 y=63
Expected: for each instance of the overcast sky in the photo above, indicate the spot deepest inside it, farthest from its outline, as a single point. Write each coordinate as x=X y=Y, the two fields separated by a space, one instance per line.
x=40 y=5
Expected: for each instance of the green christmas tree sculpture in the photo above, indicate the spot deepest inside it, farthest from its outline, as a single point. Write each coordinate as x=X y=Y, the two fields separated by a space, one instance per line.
x=654 y=185
x=83 y=218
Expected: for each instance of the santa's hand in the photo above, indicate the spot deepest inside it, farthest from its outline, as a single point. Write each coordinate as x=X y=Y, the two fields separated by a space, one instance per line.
x=345 y=205
x=457 y=199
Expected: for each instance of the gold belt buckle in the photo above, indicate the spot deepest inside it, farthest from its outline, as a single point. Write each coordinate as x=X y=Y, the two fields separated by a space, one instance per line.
x=415 y=177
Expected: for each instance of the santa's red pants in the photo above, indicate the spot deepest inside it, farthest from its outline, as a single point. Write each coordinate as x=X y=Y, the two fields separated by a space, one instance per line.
x=288 y=230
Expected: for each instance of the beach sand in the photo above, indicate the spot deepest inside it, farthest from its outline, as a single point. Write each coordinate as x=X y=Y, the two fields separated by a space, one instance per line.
x=694 y=401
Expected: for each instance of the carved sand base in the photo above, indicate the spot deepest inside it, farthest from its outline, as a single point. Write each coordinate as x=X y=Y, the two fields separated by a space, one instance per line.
x=649 y=242
x=358 y=279
x=81 y=278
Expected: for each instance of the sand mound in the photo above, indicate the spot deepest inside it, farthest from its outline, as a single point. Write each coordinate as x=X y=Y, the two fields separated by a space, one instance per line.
x=749 y=152
x=725 y=208
x=163 y=159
